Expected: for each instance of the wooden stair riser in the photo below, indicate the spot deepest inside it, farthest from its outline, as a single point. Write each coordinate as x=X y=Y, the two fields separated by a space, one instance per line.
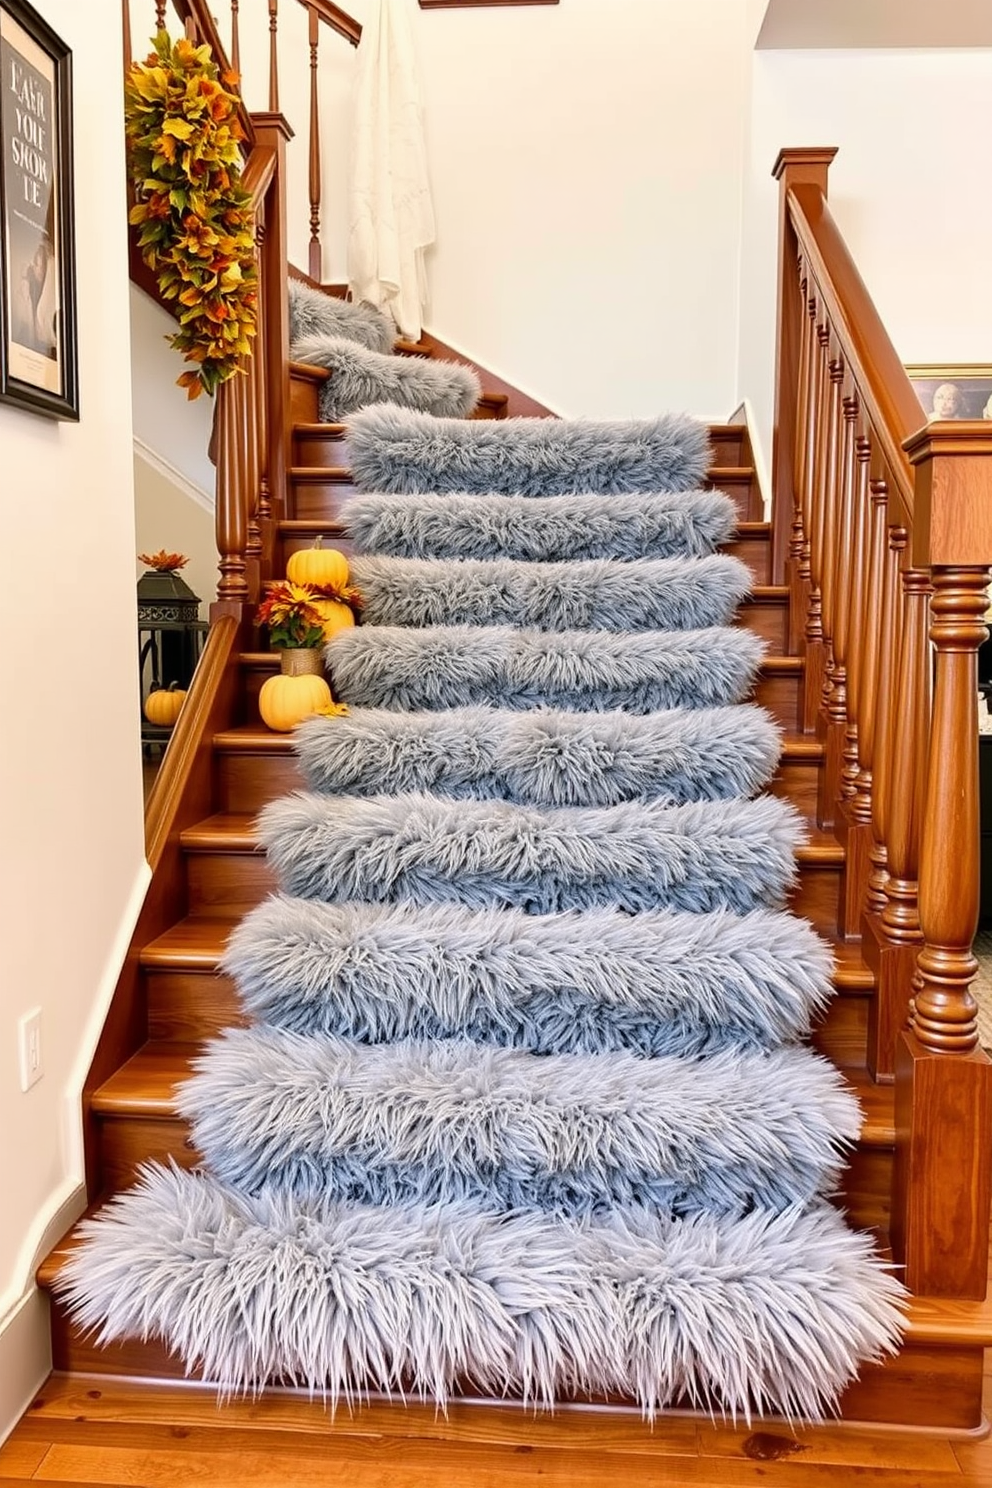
x=185 y=1006
x=766 y=612
x=298 y=535
x=320 y=444
x=318 y=494
x=739 y=484
x=247 y=782
x=730 y=444
x=228 y=883
x=889 y=1392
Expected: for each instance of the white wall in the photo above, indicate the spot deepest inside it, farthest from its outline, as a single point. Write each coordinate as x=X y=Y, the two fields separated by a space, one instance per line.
x=70 y=782
x=165 y=420
x=172 y=514
x=907 y=189
x=586 y=164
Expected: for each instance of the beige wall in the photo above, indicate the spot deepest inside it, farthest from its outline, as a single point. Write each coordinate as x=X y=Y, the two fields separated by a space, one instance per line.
x=71 y=860
x=170 y=514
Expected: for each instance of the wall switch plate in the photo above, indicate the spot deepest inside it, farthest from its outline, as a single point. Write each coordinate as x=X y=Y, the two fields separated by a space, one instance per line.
x=29 y=1048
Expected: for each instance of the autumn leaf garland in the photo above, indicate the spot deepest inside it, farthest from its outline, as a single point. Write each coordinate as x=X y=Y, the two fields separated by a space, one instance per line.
x=197 y=229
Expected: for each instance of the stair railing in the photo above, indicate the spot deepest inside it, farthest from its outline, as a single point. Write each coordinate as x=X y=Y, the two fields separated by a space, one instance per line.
x=252 y=430
x=882 y=530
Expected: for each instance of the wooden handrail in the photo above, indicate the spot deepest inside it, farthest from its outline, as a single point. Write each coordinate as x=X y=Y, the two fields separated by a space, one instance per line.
x=884 y=388
x=883 y=533
x=196 y=14
x=339 y=20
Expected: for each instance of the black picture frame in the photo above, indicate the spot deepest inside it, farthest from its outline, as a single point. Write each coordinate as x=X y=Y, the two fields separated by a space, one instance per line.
x=38 y=338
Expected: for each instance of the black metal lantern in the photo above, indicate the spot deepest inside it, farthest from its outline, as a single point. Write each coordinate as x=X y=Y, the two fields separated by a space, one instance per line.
x=170 y=638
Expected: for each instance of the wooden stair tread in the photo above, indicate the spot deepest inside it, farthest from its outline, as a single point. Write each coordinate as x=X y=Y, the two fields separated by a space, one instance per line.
x=193 y=943
x=324 y=473
x=733 y=473
x=226 y=831
x=320 y=431
x=305 y=526
x=145 y=1084
x=252 y=738
x=305 y=372
x=752 y=529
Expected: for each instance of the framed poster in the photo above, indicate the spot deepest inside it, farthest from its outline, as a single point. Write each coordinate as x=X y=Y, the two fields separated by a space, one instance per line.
x=37 y=250
x=953 y=392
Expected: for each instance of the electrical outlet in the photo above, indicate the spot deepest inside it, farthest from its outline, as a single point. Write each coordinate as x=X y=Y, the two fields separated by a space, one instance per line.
x=29 y=1046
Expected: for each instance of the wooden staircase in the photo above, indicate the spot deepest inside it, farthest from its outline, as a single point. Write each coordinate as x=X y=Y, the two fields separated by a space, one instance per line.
x=184 y=1000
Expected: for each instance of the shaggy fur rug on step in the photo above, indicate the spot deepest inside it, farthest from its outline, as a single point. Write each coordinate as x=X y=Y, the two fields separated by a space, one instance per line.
x=424 y=849
x=669 y=525
x=770 y=1313
x=313 y=313
x=585 y=670
x=574 y=1134
x=359 y=378
x=542 y=757
x=660 y=982
x=393 y=449
x=597 y=594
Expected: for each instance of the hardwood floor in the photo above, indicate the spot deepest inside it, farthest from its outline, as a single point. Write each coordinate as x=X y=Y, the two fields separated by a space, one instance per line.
x=105 y=1432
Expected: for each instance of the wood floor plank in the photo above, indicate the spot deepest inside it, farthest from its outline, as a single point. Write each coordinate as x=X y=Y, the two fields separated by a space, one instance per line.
x=825 y=1445
x=20 y=1458
x=394 y=1463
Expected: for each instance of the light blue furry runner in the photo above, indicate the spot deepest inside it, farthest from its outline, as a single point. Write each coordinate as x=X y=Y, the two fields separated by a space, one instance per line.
x=598 y=594
x=524 y=1108
x=544 y=757
x=394 y=449
x=769 y=1313
x=570 y=1133
x=701 y=856
x=686 y=524
x=584 y=670
x=659 y=982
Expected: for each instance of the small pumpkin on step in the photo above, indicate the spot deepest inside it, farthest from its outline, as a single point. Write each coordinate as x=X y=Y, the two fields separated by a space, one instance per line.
x=320 y=566
x=287 y=699
x=162 y=706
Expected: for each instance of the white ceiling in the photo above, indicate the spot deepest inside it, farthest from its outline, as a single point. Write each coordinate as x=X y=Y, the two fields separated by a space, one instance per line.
x=853 y=24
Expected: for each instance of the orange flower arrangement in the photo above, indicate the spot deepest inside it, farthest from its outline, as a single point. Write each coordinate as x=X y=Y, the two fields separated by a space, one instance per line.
x=197 y=228
x=164 y=562
x=288 y=612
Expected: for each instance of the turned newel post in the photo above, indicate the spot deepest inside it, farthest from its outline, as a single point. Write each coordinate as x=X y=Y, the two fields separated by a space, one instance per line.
x=943 y=1079
x=799 y=167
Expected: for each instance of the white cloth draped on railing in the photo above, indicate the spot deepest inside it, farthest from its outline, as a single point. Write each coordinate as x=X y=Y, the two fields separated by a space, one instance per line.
x=391 y=211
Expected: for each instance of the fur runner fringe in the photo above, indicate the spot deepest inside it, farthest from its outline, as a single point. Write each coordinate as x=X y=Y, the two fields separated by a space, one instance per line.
x=598 y=594
x=766 y=1314
x=660 y=982
x=585 y=670
x=702 y=856
x=314 y=313
x=360 y=377
x=543 y=757
x=393 y=449
x=689 y=524
x=569 y=1133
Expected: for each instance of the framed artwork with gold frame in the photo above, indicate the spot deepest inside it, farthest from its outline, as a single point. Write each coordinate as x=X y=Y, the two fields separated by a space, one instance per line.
x=953 y=392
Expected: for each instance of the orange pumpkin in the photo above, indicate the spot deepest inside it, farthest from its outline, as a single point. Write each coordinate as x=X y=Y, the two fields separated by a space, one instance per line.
x=318 y=565
x=162 y=706
x=285 y=701
x=335 y=614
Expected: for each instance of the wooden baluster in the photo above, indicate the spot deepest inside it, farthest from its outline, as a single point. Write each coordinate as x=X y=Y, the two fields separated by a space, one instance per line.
x=799 y=546
x=854 y=816
x=231 y=521
x=264 y=498
x=872 y=631
x=160 y=9
x=235 y=37
x=943 y=1078
x=826 y=794
x=896 y=936
x=315 y=264
x=814 y=653
x=793 y=167
x=857 y=597
x=273 y=56
x=840 y=559
x=886 y=719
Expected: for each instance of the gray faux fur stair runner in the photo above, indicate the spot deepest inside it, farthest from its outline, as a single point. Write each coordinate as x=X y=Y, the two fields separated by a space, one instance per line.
x=524 y=1106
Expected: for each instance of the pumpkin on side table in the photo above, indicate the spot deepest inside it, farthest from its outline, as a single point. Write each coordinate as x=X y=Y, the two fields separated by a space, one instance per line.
x=162 y=706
